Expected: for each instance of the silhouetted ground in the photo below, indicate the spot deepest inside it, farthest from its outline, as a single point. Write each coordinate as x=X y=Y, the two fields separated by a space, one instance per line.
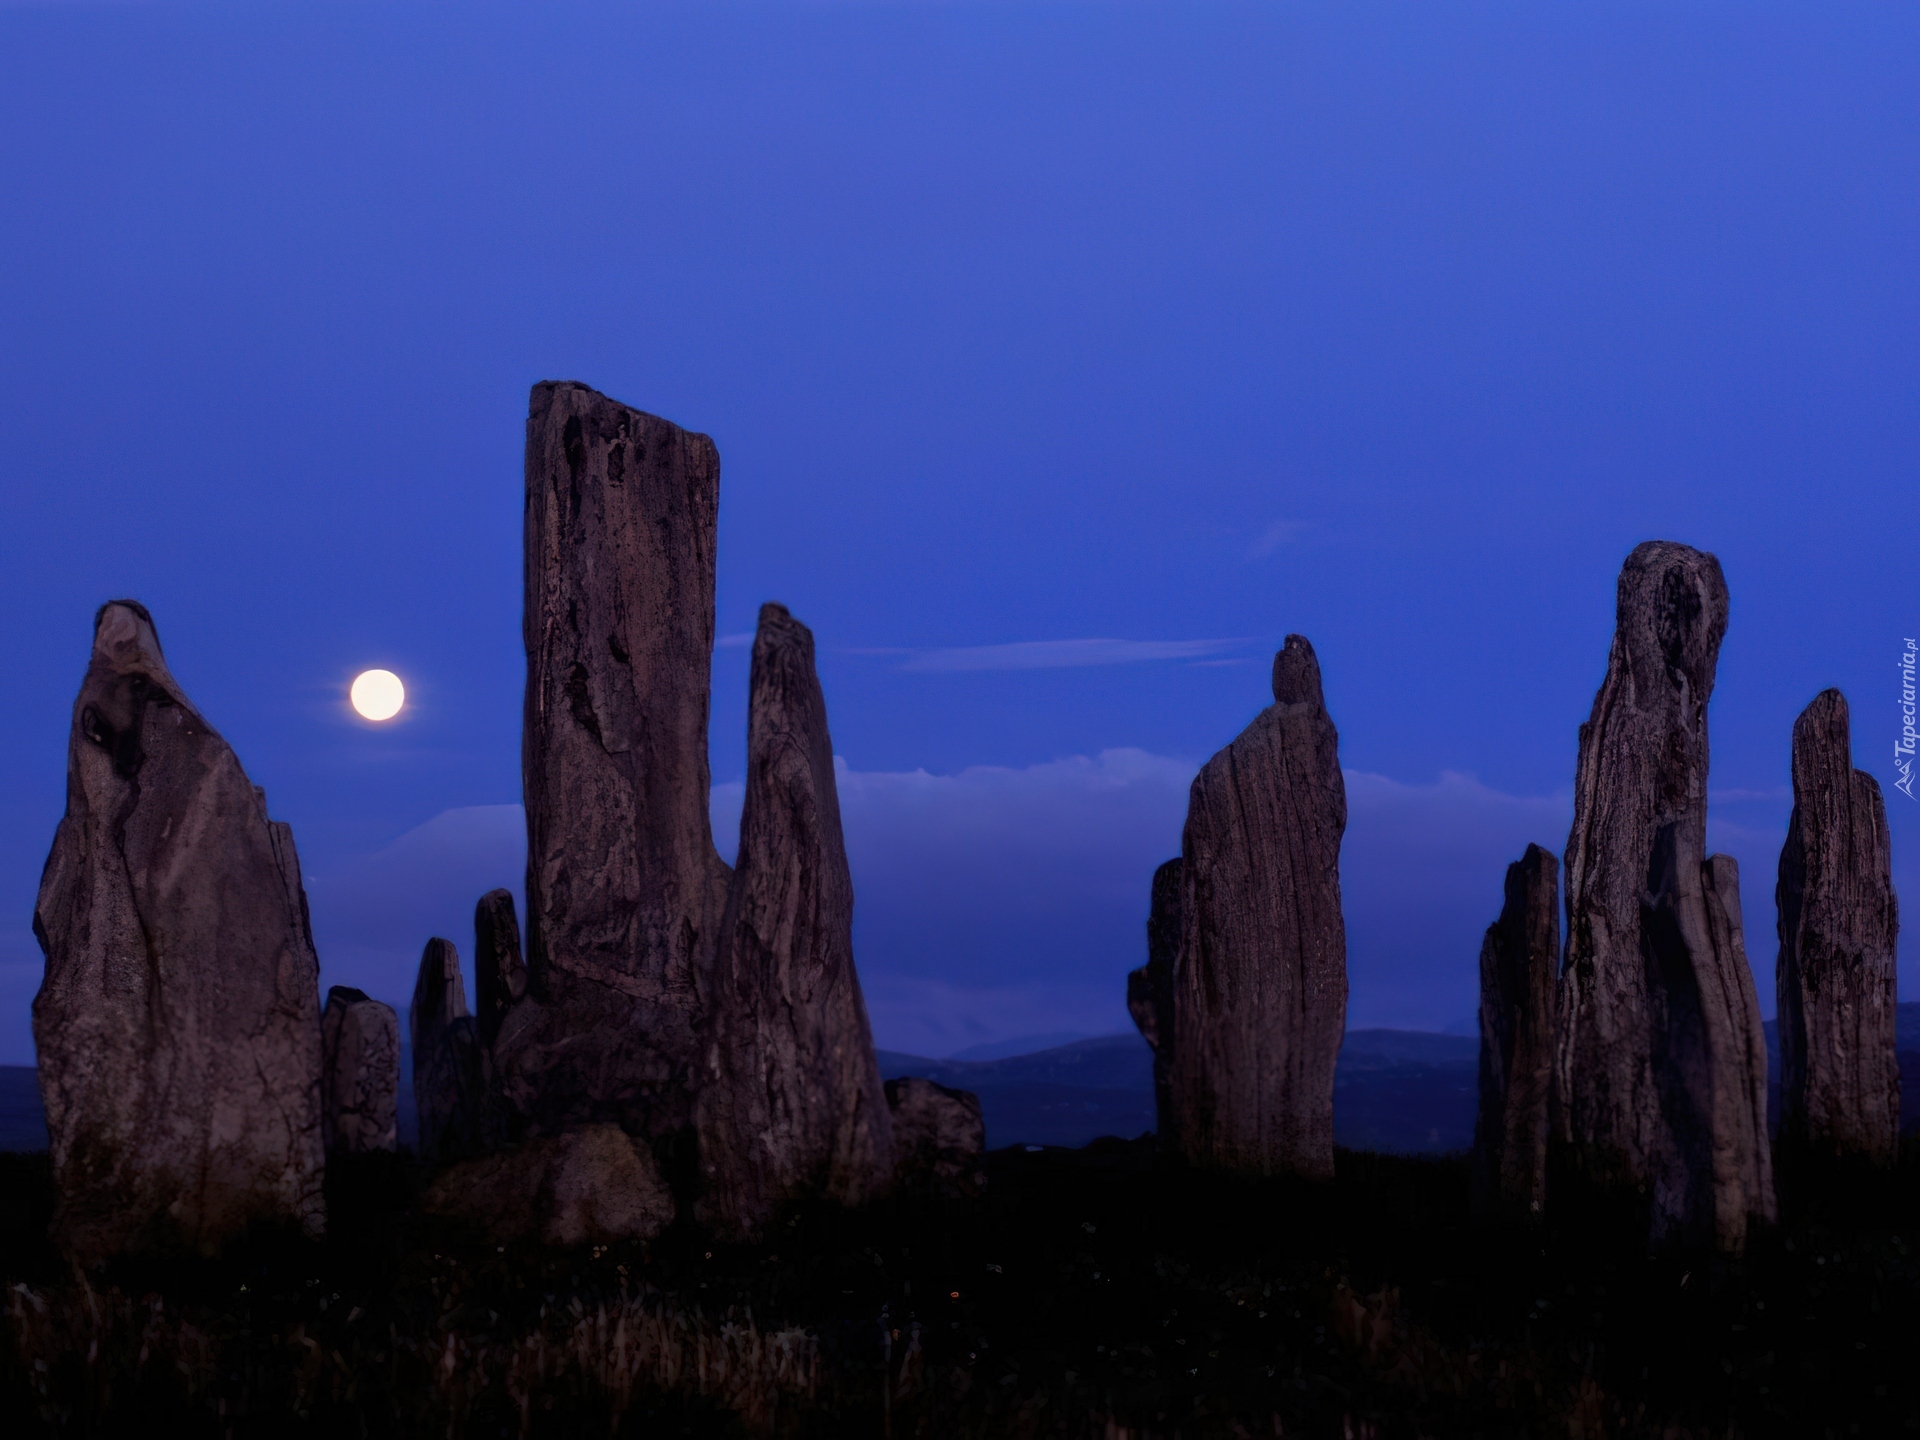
x=1091 y=1293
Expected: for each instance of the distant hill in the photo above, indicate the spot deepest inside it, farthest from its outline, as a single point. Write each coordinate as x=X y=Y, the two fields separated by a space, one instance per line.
x=1409 y=1091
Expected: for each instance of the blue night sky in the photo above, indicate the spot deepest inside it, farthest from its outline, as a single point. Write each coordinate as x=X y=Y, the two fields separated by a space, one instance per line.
x=1062 y=358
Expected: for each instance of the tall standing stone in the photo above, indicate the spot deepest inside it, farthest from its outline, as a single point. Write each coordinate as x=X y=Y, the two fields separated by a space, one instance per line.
x=360 y=1084
x=499 y=972
x=1658 y=1023
x=790 y=1103
x=1260 y=985
x=449 y=1069
x=178 y=1028
x=1519 y=967
x=624 y=888
x=1839 y=1074
x=1150 y=988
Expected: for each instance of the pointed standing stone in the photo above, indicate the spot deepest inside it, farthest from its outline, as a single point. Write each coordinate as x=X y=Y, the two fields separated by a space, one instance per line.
x=178 y=1028
x=1260 y=985
x=449 y=1080
x=1150 y=989
x=790 y=1104
x=1839 y=1074
x=360 y=1086
x=1658 y=1020
x=624 y=888
x=499 y=974
x=1519 y=967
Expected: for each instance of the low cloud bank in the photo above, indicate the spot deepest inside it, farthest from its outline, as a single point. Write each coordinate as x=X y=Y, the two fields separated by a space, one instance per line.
x=999 y=902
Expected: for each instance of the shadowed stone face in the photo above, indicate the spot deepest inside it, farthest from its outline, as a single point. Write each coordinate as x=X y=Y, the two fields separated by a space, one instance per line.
x=1260 y=983
x=1839 y=920
x=449 y=1069
x=790 y=1103
x=1150 y=988
x=1659 y=1026
x=939 y=1137
x=178 y=1028
x=360 y=1089
x=1519 y=964
x=624 y=888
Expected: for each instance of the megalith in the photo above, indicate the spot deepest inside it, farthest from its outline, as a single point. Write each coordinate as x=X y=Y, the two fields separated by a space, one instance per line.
x=499 y=972
x=1260 y=982
x=178 y=1026
x=624 y=888
x=1839 y=1072
x=449 y=1069
x=939 y=1139
x=591 y=1185
x=1150 y=988
x=360 y=1084
x=1519 y=967
x=789 y=1101
x=1658 y=1024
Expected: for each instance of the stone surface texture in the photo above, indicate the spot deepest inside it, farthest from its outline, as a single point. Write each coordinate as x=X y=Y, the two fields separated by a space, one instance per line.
x=1150 y=988
x=360 y=1085
x=939 y=1138
x=1260 y=983
x=499 y=971
x=1839 y=920
x=624 y=888
x=1519 y=968
x=178 y=1027
x=449 y=1071
x=591 y=1185
x=1658 y=1094
x=789 y=1101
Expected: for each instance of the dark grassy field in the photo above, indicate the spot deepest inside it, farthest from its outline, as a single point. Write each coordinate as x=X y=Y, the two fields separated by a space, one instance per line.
x=1092 y=1293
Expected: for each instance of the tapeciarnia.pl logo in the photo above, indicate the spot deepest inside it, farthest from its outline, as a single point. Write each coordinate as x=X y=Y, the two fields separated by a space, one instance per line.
x=1903 y=747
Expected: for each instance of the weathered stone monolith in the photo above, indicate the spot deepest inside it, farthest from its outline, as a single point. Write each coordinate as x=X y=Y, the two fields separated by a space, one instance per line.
x=360 y=1084
x=624 y=888
x=1150 y=989
x=449 y=1070
x=1839 y=1072
x=1658 y=1021
x=939 y=1137
x=591 y=1185
x=1519 y=967
x=178 y=1028
x=499 y=973
x=789 y=1102
x=1260 y=984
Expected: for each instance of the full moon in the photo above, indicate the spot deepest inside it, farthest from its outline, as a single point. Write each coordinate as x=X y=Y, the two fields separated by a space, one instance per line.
x=378 y=694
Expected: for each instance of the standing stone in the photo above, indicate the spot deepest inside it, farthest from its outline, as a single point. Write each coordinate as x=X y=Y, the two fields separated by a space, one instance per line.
x=1519 y=966
x=790 y=1103
x=178 y=1028
x=1260 y=984
x=1839 y=1075
x=624 y=888
x=360 y=1084
x=1150 y=988
x=499 y=974
x=592 y=1185
x=1658 y=1021
x=939 y=1137
x=449 y=1076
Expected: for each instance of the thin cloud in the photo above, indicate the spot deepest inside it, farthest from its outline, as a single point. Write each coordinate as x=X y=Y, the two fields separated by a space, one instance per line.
x=1274 y=536
x=1065 y=654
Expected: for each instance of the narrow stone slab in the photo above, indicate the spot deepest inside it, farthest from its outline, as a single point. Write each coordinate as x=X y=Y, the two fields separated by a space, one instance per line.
x=449 y=1073
x=1260 y=985
x=1839 y=921
x=1658 y=1022
x=624 y=888
x=499 y=972
x=360 y=1088
x=1519 y=969
x=1150 y=988
x=790 y=1105
x=178 y=1027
